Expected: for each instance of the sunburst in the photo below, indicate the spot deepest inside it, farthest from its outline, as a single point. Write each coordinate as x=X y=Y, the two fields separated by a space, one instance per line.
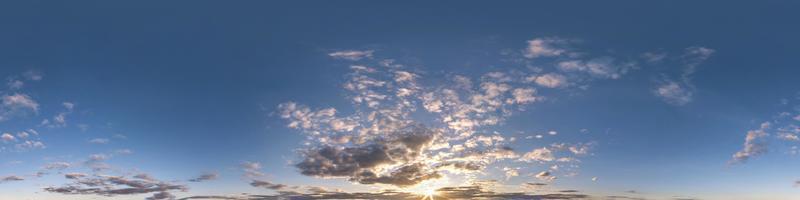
x=429 y=194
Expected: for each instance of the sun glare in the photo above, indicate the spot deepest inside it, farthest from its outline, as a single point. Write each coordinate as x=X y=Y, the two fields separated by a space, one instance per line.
x=429 y=193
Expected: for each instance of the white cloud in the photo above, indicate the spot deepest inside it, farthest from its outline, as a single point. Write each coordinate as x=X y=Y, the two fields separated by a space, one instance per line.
x=752 y=145
x=654 y=57
x=545 y=47
x=7 y=137
x=541 y=155
x=16 y=104
x=674 y=93
x=15 y=84
x=680 y=92
x=33 y=75
x=550 y=80
x=99 y=141
x=351 y=54
x=603 y=67
x=524 y=95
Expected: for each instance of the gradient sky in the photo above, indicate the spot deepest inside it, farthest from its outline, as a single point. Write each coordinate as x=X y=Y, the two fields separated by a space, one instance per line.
x=620 y=99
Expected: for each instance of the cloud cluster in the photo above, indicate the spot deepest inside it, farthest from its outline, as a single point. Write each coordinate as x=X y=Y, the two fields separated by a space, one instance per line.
x=401 y=132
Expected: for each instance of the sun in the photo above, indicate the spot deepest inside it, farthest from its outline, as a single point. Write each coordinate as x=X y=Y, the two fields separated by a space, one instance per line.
x=429 y=193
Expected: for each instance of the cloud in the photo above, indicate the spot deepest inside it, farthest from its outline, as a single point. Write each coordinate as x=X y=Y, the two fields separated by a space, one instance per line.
x=99 y=141
x=11 y=178
x=752 y=144
x=351 y=54
x=17 y=104
x=74 y=175
x=461 y=192
x=674 y=93
x=360 y=163
x=654 y=57
x=7 y=137
x=545 y=176
x=546 y=47
x=33 y=75
x=57 y=166
x=205 y=177
x=602 y=67
x=15 y=84
x=402 y=133
x=550 y=80
x=252 y=169
x=60 y=119
x=541 y=155
x=109 y=186
x=267 y=185
x=679 y=92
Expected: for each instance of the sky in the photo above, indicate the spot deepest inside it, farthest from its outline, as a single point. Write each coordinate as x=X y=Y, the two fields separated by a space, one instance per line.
x=399 y=100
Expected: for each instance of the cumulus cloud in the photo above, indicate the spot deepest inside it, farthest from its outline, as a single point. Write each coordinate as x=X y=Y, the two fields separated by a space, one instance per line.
x=7 y=137
x=17 y=104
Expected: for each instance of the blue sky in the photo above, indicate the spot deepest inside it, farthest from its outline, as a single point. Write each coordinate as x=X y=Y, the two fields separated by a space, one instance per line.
x=621 y=99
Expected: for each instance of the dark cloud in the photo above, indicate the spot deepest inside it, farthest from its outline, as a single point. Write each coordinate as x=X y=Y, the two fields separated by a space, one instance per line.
x=267 y=185
x=404 y=176
x=624 y=197
x=205 y=177
x=11 y=178
x=116 y=185
x=358 y=163
x=463 y=165
x=161 y=196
